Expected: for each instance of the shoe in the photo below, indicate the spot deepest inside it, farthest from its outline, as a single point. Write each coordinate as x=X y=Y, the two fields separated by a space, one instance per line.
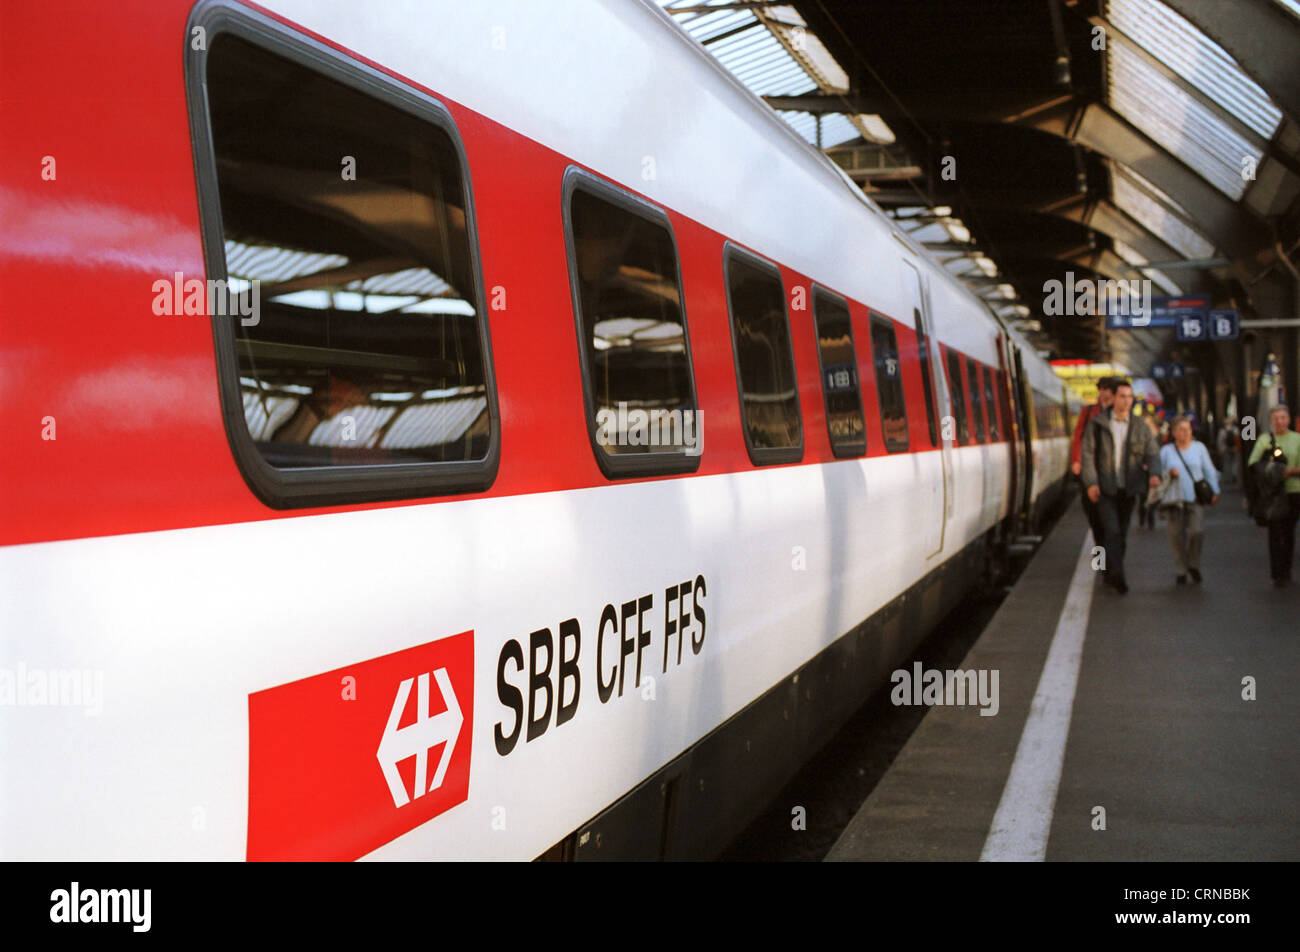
x=1181 y=580
x=1121 y=585
x=1196 y=576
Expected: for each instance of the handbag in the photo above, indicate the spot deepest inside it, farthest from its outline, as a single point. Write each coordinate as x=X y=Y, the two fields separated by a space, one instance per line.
x=1202 y=488
x=1270 y=479
x=1159 y=497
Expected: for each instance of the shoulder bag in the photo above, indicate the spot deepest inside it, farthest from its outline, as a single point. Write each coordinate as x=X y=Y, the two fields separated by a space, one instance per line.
x=1202 y=488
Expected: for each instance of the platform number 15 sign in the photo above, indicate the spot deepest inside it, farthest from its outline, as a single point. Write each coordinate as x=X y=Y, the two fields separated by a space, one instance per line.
x=1192 y=327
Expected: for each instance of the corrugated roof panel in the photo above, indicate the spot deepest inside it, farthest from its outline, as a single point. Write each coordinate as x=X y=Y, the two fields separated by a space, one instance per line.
x=365 y=422
x=1137 y=197
x=837 y=128
x=705 y=27
x=803 y=123
x=273 y=264
x=433 y=424
x=816 y=58
x=762 y=63
x=266 y=412
x=1178 y=122
x=1198 y=59
x=1133 y=256
x=747 y=47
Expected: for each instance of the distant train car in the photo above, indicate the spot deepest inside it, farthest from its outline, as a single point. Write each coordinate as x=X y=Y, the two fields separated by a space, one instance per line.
x=481 y=435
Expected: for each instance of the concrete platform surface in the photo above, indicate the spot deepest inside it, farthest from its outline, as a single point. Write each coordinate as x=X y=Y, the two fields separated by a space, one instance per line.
x=1159 y=754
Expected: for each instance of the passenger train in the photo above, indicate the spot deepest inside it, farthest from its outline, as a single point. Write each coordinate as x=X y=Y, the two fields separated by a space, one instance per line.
x=458 y=431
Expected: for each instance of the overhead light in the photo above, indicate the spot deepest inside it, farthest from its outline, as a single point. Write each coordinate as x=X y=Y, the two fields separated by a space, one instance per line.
x=1061 y=71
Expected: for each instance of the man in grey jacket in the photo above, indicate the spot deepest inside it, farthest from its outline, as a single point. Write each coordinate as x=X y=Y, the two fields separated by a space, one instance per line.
x=1115 y=448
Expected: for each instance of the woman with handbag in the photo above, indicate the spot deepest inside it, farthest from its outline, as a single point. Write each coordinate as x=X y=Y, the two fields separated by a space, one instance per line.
x=1275 y=465
x=1193 y=484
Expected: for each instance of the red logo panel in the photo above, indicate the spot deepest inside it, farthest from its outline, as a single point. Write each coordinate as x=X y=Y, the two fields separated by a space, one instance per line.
x=343 y=762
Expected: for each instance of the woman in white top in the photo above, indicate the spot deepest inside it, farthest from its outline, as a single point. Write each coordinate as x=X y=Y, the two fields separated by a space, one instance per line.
x=1186 y=461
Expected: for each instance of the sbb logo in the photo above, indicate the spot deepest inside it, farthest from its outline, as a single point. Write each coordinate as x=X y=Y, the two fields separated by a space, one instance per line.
x=338 y=763
x=417 y=739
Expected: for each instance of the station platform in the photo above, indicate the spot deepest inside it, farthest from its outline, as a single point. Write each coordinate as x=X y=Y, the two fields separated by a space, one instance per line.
x=1128 y=703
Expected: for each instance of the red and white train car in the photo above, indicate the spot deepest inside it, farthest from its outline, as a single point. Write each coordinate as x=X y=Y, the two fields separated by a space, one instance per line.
x=456 y=430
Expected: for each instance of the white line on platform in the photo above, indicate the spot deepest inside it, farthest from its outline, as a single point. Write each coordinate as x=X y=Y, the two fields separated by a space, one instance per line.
x=1024 y=817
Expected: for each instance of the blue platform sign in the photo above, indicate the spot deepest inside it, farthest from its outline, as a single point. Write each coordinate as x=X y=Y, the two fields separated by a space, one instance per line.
x=1168 y=371
x=1224 y=325
x=1193 y=327
x=1165 y=312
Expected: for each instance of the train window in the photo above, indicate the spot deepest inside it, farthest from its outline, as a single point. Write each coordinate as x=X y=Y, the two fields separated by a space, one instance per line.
x=889 y=384
x=1047 y=417
x=976 y=410
x=923 y=351
x=760 y=335
x=991 y=406
x=351 y=342
x=635 y=354
x=1008 y=401
x=839 y=366
x=958 y=398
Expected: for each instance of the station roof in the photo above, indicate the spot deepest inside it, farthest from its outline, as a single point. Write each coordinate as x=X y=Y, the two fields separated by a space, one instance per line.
x=1109 y=138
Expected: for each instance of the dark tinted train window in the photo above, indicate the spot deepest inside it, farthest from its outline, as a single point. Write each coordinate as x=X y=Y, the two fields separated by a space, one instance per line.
x=839 y=366
x=991 y=406
x=976 y=410
x=958 y=398
x=889 y=384
x=632 y=332
x=348 y=222
x=760 y=332
x=927 y=372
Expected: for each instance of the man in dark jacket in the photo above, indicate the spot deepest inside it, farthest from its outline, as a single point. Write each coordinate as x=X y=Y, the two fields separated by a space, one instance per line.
x=1105 y=397
x=1115 y=448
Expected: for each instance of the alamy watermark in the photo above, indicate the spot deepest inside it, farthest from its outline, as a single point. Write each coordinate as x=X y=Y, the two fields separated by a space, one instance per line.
x=953 y=688
x=1091 y=297
x=233 y=297
x=22 y=686
x=77 y=904
x=675 y=429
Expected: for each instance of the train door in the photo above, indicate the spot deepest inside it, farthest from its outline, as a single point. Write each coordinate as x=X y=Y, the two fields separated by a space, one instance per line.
x=1011 y=434
x=1025 y=413
x=938 y=509
x=1014 y=433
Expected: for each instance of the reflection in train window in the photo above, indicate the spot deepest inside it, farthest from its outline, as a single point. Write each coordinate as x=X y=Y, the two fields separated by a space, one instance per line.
x=366 y=347
x=958 y=398
x=839 y=366
x=760 y=332
x=889 y=384
x=976 y=411
x=1049 y=417
x=991 y=406
x=640 y=392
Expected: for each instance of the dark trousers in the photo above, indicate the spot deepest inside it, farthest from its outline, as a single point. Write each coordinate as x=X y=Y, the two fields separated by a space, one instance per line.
x=1115 y=512
x=1281 y=539
x=1094 y=518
